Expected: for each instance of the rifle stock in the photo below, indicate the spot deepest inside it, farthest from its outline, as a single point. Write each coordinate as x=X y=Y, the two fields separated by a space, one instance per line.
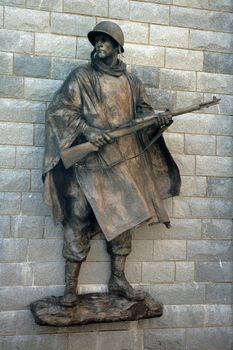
x=74 y=154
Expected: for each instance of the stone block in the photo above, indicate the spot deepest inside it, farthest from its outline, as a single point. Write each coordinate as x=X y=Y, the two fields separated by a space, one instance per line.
x=94 y=273
x=52 y=230
x=165 y=2
x=133 y=271
x=225 y=107
x=184 y=59
x=35 y=342
x=221 y=5
x=142 y=250
x=168 y=36
x=33 y=204
x=148 y=75
x=119 y=9
x=55 y=45
x=134 y=32
x=180 y=229
x=162 y=99
x=187 y=98
x=39 y=135
x=44 y=250
x=164 y=339
x=5 y=226
x=7 y=157
x=202 y=4
x=27 y=226
x=22 y=111
x=9 y=203
x=36 y=181
x=148 y=12
x=14 y=180
x=71 y=24
x=186 y=164
x=193 y=186
x=49 y=273
x=13 y=250
x=215 y=83
x=32 y=66
x=210 y=41
x=16 y=41
x=184 y=271
x=98 y=251
x=11 y=87
x=187 y=316
x=217 y=229
x=175 y=142
x=209 y=338
x=169 y=250
x=219 y=187
x=84 y=49
x=213 y=271
x=177 y=80
x=158 y=272
x=16 y=133
x=41 y=89
x=209 y=250
x=29 y=157
x=144 y=55
x=200 y=144
x=6 y=66
x=89 y=7
x=129 y=340
x=177 y=294
x=214 y=166
x=218 y=63
x=224 y=146
x=219 y=293
x=18 y=298
x=201 y=19
x=83 y=341
x=15 y=275
x=61 y=68
x=47 y=5
x=8 y=323
x=19 y=3
x=203 y=124
x=201 y=208
x=24 y=19
x=1 y=15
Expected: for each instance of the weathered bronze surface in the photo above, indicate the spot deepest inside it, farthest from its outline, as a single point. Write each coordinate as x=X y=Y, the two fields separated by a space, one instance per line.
x=112 y=190
x=93 y=308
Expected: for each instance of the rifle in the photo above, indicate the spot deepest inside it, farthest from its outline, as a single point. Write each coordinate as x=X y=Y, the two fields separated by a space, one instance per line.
x=74 y=154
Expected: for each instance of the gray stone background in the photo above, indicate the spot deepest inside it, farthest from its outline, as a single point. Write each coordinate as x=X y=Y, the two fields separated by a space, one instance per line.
x=183 y=51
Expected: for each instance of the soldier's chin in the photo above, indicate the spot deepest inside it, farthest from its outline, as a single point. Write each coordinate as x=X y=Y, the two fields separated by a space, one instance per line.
x=101 y=55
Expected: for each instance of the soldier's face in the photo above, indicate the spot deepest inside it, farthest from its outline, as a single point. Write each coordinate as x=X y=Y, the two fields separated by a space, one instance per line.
x=105 y=47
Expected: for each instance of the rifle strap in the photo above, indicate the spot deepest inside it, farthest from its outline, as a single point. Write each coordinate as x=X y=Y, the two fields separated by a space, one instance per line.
x=108 y=166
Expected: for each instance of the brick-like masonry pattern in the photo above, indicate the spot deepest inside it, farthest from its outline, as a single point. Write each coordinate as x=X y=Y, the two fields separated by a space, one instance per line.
x=183 y=52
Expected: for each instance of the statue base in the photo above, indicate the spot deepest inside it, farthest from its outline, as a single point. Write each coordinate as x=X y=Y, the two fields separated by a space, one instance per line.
x=93 y=308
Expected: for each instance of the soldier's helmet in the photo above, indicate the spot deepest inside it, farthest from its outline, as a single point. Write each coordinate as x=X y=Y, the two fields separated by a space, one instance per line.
x=111 y=29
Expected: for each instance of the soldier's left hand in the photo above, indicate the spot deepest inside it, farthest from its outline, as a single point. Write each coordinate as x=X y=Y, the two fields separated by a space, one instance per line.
x=163 y=120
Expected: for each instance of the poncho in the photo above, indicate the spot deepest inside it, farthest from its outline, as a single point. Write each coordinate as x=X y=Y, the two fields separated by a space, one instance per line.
x=130 y=192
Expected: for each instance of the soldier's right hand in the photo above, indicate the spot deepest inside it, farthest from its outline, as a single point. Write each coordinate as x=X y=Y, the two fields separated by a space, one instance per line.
x=96 y=136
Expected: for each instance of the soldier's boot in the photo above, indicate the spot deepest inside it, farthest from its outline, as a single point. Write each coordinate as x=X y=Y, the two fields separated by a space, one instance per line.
x=118 y=283
x=70 y=297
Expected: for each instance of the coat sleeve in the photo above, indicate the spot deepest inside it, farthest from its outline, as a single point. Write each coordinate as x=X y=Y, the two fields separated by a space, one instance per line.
x=63 y=120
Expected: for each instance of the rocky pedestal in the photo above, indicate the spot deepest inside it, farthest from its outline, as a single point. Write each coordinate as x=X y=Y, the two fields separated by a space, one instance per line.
x=94 y=308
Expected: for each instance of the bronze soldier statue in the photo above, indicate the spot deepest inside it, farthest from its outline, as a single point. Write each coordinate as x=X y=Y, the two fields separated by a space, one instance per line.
x=123 y=184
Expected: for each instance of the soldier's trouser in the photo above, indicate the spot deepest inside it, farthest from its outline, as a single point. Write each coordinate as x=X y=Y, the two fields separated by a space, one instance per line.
x=81 y=225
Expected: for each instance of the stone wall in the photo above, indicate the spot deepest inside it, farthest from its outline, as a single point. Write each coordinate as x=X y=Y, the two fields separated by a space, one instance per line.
x=183 y=51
